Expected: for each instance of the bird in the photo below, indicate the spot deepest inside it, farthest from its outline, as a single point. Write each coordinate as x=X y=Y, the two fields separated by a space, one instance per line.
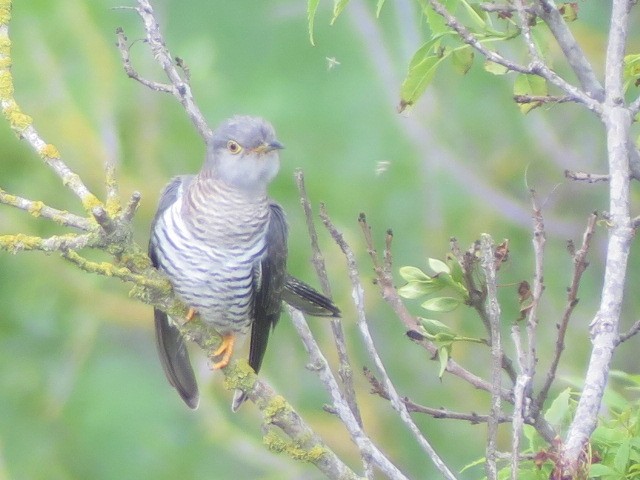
x=222 y=243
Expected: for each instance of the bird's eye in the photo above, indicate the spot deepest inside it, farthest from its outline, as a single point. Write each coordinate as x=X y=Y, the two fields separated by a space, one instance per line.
x=233 y=146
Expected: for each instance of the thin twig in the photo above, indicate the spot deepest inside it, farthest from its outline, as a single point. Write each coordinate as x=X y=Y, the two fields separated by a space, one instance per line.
x=539 y=240
x=546 y=99
x=39 y=209
x=580 y=264
x=178 y=86
x=358 y=297
x=441 y=413
x=345 y=371
x=535 y=67
x=342 y=409
x=586 y=177
x=384 y=280
x=635 y=328
x=571 y=49
x=487 y=253
x=21 y=242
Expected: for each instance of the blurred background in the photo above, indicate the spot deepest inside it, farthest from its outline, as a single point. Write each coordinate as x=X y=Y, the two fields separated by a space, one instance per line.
x=82 y=394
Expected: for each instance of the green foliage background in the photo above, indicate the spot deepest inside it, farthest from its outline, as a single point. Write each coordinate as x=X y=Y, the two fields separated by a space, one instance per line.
x=81 y=392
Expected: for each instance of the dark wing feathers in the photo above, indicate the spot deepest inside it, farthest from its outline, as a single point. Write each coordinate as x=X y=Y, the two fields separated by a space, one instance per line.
x=306 y=299
x=268 y=297
x=169 y=342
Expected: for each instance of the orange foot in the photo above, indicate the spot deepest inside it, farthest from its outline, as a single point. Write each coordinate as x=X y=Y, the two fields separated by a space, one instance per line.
x=226 y=350
x=190 y=314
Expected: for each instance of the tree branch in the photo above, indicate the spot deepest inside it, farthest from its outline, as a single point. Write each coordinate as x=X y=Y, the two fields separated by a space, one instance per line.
x=358 y=297
x=179 y=85
x=604 y=327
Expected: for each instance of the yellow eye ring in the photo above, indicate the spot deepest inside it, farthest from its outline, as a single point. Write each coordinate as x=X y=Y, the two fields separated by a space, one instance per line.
x=234 y=147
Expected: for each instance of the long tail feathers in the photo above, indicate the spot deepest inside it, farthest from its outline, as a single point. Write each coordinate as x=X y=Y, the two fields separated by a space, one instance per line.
x=308 y=300
x=175 y=359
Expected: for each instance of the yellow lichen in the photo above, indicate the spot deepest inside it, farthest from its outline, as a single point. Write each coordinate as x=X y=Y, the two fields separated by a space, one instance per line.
x=277 y=406
x=49 y=151
x=5 y=62
x=35 y=208
x=293 y=449
x=5 y=11
x=6 y=85
x=18 y=120
x=18 y=242
x=240 y=375
x=89 y=201
x=5 y=45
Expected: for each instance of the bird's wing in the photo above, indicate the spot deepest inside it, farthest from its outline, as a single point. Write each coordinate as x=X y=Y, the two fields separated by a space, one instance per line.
x=308 y=300
x=272 y=270
x=169 y=342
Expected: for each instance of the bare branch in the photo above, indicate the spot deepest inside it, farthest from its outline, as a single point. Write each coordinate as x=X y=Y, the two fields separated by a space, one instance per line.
x=345 y=370
x=38 y=209
x=543 y=99
x=539 y=240
x=571 y=49
x=179 y=87
x=635 y=328
x=580 y=264
x=586 y=177
x=358 y=297
x=342 y=409
x=604 y=327
x=487 y=252
x=379 y=389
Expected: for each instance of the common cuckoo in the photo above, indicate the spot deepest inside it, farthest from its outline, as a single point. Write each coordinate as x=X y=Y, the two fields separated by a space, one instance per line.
x=223 y=244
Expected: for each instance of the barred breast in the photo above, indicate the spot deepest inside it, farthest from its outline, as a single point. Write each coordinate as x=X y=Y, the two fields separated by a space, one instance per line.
x=210 y=243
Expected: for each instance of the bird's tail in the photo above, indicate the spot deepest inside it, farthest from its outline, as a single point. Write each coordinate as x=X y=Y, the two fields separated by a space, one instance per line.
x=308 y=300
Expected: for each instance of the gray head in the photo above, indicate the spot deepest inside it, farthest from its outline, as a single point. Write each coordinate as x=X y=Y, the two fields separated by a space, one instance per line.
x=243 y=152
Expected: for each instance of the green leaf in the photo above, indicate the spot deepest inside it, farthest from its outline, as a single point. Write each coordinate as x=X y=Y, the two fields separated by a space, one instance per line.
x=312 y=6
x=435 y=327
x=536 y=442
x=599 y=470
x=379 y=7
x=413 y=274
x=495 y=68
x=457 y=275
x=462 y=59
x=437 y=24
x=438 y=266
x=418 y=79
x=560 y=410
x=631 y=70
x=621 y=459
x=475 y=17
x=530 y=85
x=418 y=289
x=441 y=304
x=338 y=6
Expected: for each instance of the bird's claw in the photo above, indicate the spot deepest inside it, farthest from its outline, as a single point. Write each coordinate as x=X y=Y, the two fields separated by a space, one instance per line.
x=190 y=314
x=226 y=350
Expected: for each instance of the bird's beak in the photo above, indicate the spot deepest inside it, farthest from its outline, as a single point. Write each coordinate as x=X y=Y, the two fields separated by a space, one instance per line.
x=268 y=147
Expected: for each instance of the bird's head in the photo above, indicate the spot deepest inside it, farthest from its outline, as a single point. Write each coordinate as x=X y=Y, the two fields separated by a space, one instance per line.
x=243 y=152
